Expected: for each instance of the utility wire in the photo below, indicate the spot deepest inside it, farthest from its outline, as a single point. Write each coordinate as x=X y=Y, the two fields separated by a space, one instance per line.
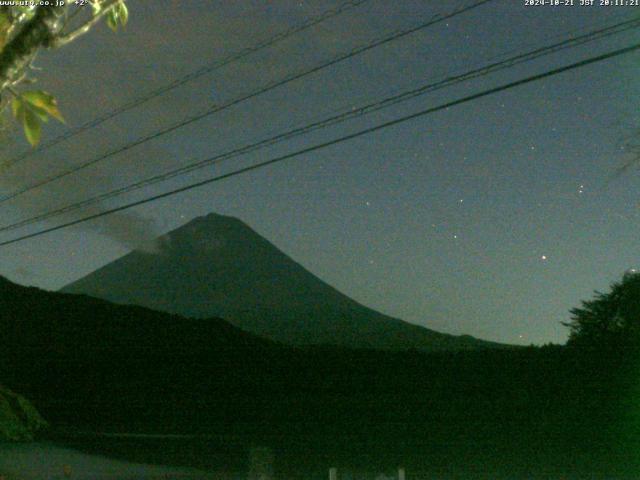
x=332 y=120
x=356 y=51
x=277 y=38
x=319 y=146
x=568 y=34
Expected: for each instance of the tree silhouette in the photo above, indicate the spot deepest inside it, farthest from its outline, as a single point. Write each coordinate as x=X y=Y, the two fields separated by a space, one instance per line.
x=609 y=319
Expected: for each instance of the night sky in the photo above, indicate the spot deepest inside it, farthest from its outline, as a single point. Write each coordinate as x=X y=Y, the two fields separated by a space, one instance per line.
x=491 y=218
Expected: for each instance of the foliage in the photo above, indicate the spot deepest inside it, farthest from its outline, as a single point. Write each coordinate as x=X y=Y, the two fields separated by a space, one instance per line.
x=94 y=365
x=32 y=107
x=609 y=319
x=26 y=30
x=19 y=420
x=119 y=15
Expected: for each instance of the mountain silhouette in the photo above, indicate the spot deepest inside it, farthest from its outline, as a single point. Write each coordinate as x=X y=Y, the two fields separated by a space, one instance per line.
x=85 y=360
x=217 y=266
x=89 y=365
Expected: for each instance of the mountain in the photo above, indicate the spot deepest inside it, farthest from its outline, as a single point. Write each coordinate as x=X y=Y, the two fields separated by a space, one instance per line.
x=96 y=366
x=217 y=266
x=83 y=360
x=93 y=364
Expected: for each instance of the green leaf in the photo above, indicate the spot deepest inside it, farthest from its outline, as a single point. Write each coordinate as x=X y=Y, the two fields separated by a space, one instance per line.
x=112 y=19
x=96 y=6
x=17 y=106
x=31 y=109
x=119 y=14
x=40 y=113
x=43 y=103
x=32 y=126
x=123 y=13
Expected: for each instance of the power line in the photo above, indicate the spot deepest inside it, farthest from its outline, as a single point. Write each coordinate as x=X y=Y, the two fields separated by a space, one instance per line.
x=332 y=120
x=356 y=51
x=275 y=39
x=469 y=98
x=571 y=34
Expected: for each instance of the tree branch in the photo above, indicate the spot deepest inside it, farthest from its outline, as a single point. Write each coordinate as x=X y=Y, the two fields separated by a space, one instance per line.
x=71 y=36
x=36 y=33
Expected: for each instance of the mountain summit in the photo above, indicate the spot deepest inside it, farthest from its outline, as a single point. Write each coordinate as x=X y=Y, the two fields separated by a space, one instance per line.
x=217 y=266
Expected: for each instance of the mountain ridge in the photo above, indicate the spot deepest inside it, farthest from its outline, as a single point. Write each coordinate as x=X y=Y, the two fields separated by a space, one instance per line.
x=217 y=266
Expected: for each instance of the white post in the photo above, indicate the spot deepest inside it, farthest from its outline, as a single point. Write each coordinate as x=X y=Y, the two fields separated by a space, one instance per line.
x=333 y=473
x=401 y=475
